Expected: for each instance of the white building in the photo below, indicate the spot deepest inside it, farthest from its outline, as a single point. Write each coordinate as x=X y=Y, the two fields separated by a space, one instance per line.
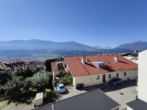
x=93 y=70
x=141 y=102
x=142 y=78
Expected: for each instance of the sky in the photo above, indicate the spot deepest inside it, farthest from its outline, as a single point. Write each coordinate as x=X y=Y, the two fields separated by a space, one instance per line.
x=90 y=22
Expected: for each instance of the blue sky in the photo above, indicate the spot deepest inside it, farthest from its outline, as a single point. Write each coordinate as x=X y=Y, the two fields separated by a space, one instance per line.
x=91 y=22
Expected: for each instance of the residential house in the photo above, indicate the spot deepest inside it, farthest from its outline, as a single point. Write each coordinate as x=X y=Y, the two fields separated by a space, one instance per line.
x=93 y=100
x=33 y=64
x=132 y=56
x=93 y=70
x=48 y=63
x=58 y=67
x=11 y=65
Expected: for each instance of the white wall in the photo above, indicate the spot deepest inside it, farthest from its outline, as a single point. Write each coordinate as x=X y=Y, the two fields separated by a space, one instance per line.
x=92 y=79
x=88 y=80
x=142 y=76
x=131 y=74
x=38 y=99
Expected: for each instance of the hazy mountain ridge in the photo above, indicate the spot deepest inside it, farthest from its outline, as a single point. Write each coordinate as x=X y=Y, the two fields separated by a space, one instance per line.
x=98 y=47
x=106 y=47
x=137 y=45
x=36 y=44
x=40 y=44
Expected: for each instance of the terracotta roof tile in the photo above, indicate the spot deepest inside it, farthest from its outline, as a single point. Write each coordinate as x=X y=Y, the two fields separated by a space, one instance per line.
x=75 y=66
x=11 y=64
x=78 y=69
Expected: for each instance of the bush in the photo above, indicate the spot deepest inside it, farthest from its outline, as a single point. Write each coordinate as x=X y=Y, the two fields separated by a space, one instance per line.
x=23 y=72
x=18 y=72
x=28 y=72
x=36 y=70
x=13 y=85
x=48 y=94
x=40 y=81
x=56 y=82
x=66 y=80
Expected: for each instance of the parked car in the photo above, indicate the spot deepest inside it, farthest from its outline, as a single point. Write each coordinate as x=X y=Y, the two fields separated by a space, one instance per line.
x=61 y=88
x=116 y=81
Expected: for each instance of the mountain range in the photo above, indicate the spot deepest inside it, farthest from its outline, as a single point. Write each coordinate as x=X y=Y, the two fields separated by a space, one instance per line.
x=137 y=45
x=36 y=44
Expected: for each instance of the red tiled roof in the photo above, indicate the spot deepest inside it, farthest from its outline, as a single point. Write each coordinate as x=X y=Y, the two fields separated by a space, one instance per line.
x=54 y=66
x=5 y=67
x=11 y=64
x=78 y=69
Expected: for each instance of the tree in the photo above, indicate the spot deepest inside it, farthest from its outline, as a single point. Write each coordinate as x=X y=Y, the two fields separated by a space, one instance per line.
x=36 y=70
x=27 y=72
x=13 y=85
x=18 y=72
x=23 y=72
x=40 y=80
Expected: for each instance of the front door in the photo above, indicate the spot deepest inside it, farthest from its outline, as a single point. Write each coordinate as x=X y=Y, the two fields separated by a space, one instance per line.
x=104 y=79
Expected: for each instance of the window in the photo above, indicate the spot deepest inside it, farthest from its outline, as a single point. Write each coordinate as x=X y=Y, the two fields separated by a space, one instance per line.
x=124 y=73
x=97 y=77
x=117 y=75
x=109 y=75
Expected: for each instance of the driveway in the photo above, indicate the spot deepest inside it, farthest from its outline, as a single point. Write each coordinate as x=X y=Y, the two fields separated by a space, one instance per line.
x=120 y=93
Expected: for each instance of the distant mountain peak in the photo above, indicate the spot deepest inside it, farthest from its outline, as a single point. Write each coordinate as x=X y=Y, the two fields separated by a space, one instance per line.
x=139 y=41
x=107 y=47
x=97 y=47
x=42 y=44
x=137 y=45
x=35 y=40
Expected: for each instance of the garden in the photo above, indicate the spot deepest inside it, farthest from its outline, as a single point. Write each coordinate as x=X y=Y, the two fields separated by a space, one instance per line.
x=64 y=78
x=22 y=85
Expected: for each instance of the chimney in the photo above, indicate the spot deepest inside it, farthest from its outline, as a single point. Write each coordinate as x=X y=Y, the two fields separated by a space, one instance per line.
x=83 y=60
x=116 y=59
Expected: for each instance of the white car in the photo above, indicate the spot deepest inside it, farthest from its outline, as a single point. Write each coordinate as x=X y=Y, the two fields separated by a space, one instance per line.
x=61 y=88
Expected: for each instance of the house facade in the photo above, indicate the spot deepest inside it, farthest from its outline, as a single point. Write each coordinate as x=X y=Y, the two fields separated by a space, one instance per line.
x=141 y=101
x=93 y=70
x=142 y=77
x=58 y=67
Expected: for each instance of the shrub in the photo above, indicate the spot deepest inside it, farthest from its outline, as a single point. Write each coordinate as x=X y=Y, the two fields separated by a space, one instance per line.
x=40 y=80
x=23 y=72
x=18 y=72
x=48 y=94
x=13 y=85
x=66 y=80
x=27 y=72
x=36 y=70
